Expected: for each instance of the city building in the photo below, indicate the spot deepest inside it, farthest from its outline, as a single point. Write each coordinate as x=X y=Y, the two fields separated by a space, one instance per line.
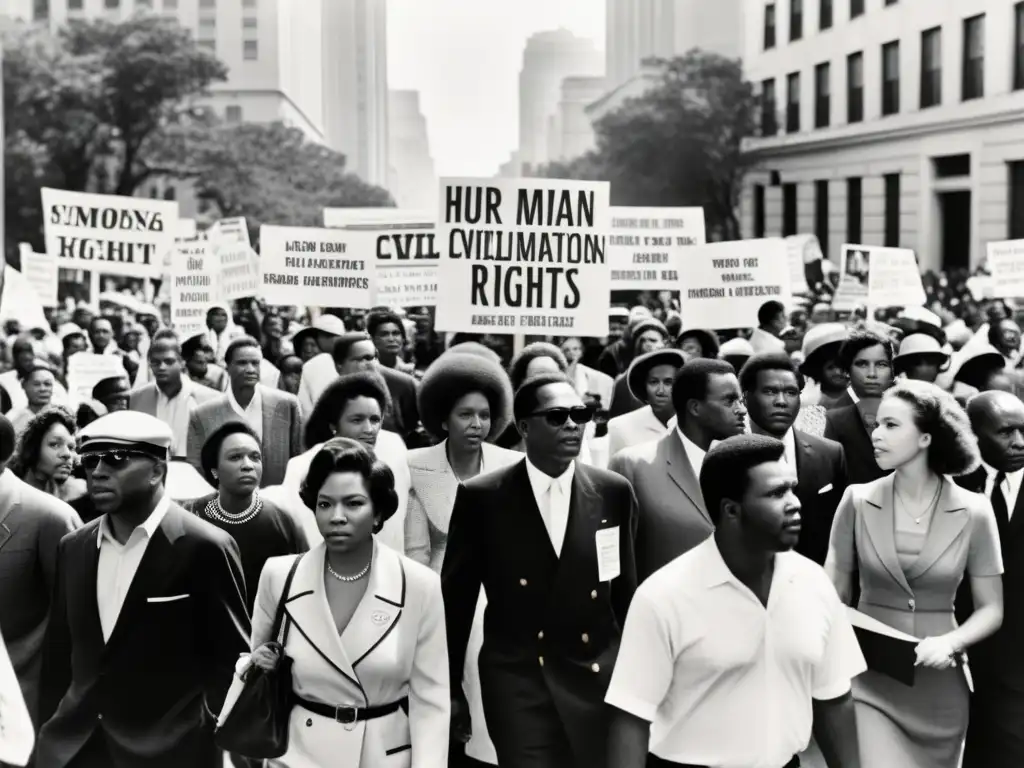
x=413 y=180
x=570 y=132
x=548 y=59
x=888 y=122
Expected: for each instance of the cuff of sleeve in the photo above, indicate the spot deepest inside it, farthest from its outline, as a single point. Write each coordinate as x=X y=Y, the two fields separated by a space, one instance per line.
x=832 y=690
x=627 y=702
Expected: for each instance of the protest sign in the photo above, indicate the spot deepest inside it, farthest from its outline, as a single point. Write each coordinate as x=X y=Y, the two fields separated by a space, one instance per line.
x=304 y=266
x=854 y=267
x=524 y=256
x=406 y=252
x=894 y=278
x=128 y=236
x=87 y=369
x=233 y=230
x=803 y=250
x=239 y=268
x=40 y=269
x=724 y=284
x=646 y=246
x=1006 y=263
x=195 y=286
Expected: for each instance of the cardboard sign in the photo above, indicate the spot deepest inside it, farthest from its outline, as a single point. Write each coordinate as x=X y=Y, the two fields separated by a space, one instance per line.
x=128 y=236
x=239 y=267
x=724 y=284
x=304 y=266
x=233 y=230
x=348 y=217
x=40 y=269
x=87 y=369
x=1006 y=263
x=524 y=256
x=854 y=268
x=803 y=250
x=195 y=287
x=894 y=278
x=646 y=246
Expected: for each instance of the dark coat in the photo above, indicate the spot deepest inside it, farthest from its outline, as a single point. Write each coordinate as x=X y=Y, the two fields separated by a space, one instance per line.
x=403 y=417
x=820 y=463
x=844 y=426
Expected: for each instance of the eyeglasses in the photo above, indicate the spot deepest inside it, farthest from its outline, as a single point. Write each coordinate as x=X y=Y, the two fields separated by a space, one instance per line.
x=556 y=417
x=113 y=459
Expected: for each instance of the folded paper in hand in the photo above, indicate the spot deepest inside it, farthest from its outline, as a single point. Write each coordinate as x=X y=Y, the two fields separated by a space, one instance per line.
x=886 y=650
x=235 y=690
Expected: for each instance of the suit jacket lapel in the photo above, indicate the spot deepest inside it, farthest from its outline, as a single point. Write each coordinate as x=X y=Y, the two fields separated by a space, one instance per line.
x=9 y=502
x=269 y=407
x=948 y=521
x=806 y=464
x=380 y=609
x=82 y=600
x=878 y=511
x=679 y=469
x=533 y=521
x=584 y=520
x=434 y=481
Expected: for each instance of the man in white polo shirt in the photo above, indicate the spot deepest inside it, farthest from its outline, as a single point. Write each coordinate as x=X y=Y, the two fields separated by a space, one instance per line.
x=735 y=649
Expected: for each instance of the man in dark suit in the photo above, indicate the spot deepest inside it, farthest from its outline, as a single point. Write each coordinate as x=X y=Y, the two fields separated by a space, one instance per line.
x=148 y=617
x=771 y=390
x=551 y=541
x=995 y=738
x=32 y=524
x=672 y=518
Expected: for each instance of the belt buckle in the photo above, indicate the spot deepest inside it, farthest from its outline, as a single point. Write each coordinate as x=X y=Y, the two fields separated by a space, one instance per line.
x=341 y=713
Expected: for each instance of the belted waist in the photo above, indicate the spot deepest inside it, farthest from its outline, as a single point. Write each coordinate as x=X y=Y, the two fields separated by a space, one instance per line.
x=925 y=603
x=350 y=715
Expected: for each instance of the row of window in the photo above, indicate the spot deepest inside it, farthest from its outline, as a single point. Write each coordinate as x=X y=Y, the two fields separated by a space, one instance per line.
x=826 y=14
x=854 y=211
x=972 y=81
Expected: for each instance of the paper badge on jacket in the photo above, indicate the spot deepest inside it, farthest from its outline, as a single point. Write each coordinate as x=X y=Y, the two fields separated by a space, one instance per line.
x=380 y=617
x=608 y=566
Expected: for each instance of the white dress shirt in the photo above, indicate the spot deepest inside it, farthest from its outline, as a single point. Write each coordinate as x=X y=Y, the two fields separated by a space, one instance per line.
x=552 y=496
x=1010 y=486
x=175 y=412
x=693 y=452
x=118 y=563
x=700 y=653
x=252 y=414
x=789 y=441
x=853 y=395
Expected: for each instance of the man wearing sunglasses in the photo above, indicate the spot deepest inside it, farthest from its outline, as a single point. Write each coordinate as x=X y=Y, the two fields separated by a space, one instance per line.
x=148 y=616
x=551 y=541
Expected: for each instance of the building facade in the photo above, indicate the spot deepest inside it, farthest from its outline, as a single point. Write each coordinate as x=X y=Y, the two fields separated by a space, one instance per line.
x=571 y=133
x=413 y=180
x=888 y=122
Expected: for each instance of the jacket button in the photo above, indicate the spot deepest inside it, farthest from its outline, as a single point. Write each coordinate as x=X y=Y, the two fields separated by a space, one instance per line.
x=541 y=660
x=522 y=582
x=911 y=604
x=540 y=635
x=593 y=595
x=596 y=667
x=99 y=716
x=309 y=722
x=586 y=638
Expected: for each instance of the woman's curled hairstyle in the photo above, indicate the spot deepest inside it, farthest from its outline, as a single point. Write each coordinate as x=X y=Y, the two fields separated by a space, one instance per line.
x=30 y=443
x=954 y=448
x=333 y=401
x=341 y=454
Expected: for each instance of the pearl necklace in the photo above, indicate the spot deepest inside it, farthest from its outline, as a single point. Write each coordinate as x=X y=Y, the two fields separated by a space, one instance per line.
x=215 y=511
x=349 y=579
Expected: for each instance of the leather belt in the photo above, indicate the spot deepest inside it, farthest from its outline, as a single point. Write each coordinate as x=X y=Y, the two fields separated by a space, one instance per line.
x=350 y=715
x=653 y=761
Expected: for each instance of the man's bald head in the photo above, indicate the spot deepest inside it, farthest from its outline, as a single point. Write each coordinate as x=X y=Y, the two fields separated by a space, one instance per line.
x=997 y=419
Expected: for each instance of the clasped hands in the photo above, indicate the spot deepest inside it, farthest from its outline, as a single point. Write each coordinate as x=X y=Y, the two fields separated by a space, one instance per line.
x=936 y=652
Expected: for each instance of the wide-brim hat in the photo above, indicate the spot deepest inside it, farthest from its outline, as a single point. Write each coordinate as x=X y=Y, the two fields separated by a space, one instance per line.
x=738 y=347
x=636 y=376
x=983 y=358
x=821 y=341
x=329 y=324
x=708 y=340
x=923 y=344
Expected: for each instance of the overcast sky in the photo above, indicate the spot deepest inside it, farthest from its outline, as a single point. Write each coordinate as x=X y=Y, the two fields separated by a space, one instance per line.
x=464 y=56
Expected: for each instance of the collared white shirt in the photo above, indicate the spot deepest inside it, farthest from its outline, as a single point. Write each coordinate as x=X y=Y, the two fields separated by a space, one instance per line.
x=252 y=413
x=175 y=412
x=789 y=441
x=853 y=395
x=693 y=452
x=1010 y=486
x=118 y=563
x=555 y=520
x=701 y=654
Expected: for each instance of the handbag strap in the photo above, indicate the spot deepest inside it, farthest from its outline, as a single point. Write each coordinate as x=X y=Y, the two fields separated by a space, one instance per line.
x=279 y=615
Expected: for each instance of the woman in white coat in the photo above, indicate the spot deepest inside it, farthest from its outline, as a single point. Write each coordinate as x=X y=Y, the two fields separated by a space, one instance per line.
x=650 y=377
x=365 y=629
x=465 y=398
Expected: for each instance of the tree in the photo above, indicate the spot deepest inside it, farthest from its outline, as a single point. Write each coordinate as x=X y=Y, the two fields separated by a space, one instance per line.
x=680 y=143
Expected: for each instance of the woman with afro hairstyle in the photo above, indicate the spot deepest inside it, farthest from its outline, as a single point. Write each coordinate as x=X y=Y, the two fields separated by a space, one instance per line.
x=913 y=537
x=466 y=400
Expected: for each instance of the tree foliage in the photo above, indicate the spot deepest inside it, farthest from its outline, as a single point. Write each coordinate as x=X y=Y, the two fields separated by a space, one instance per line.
x=678 y=144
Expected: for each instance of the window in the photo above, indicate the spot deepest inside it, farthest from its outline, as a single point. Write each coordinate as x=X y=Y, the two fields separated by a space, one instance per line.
x=856 y=8
x=248 y=3
x=796 y=19
x=769 y=26
x=892 y=210
x=41 y=10
x=854 y=89
x=822 y=95
x=891 y=2
x=250 y=50
x=207 y=3
x=170 y=5
x=769 y=126
x=76 y=5
x=138 y=4
x=793 y=102
x=210 y=46
x=825 y=14
x=207 y=27
x=1018 y=46
x=111 y=5
x=853 y=211
x=931 y=67
x=1016 y=213
x=788 y=210
x=233 y=114
x=759 y=210
x=821 y=214
x=891 y=78
x=248 y=23
x=973 y=85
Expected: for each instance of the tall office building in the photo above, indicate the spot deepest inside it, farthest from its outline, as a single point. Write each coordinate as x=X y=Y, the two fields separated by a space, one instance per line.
x=571 y=133
x=355 y=84
x=413 y=182
x=888 y=123
x=549 y=58
x=272 y=49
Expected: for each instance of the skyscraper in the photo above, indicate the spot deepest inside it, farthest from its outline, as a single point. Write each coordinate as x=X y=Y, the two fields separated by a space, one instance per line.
x=413 y=182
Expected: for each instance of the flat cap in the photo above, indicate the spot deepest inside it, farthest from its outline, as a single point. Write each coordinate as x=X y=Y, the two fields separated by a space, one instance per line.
x=127 y=429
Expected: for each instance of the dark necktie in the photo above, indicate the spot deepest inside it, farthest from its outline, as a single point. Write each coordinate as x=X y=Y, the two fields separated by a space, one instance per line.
x=999 y=503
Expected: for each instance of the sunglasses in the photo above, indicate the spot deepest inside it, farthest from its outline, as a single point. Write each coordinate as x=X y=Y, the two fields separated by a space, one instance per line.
x=556 y=417
x=113 y=459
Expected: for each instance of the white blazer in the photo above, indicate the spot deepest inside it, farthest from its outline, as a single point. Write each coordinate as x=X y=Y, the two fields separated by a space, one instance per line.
x=17 y=736
x=391 y=450
x=431 y=501
x=394 y=646
x=634 y=428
